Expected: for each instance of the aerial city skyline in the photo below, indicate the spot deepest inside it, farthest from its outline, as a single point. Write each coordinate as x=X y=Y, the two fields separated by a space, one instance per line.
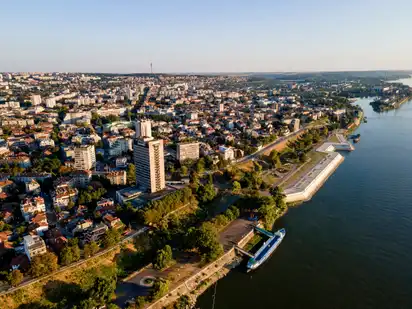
x=205 y=154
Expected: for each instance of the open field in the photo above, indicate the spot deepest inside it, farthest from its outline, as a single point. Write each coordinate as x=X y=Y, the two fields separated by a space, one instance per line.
x=82 y=275
x=246 y=166
x=269 y=178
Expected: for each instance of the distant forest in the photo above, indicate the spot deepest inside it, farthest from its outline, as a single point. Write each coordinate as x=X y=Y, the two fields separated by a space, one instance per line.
x=331 y=76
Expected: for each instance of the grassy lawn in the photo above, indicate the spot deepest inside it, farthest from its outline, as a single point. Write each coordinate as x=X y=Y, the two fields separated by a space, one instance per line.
x=82 y=275
x=270 y=178
x=253 y=242
x=314 y=157
x=246 y=166
x=318 y=122
x=334 y=139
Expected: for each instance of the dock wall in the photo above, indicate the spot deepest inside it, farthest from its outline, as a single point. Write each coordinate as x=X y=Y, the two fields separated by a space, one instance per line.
x=209 y=274
x=305 y=192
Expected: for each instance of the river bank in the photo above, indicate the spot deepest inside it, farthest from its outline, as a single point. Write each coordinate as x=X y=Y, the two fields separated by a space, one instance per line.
x=349 y=246
x=382 y=106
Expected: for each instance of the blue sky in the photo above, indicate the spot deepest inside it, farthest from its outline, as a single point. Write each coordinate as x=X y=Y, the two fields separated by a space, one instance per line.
x=205 y=36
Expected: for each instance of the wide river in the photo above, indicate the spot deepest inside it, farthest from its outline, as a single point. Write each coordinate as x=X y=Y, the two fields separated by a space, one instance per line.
x=351 y=245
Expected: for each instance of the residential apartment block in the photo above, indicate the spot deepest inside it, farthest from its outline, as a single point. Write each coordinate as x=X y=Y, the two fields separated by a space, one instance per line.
x=187 y=151
x=149 y=163
x=84 y=157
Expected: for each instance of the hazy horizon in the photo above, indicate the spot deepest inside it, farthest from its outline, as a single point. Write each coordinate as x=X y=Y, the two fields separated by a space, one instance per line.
x=205 y=37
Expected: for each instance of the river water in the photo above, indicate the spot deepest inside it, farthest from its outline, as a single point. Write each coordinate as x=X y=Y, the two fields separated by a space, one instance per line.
x=351 y=245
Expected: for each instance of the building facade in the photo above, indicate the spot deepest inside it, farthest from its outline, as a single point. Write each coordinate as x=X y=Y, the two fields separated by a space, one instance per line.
x=35 y=99
x=187 y=151
x=149 y=163
x=33 y=246
x=84 y=157
x=143 y=128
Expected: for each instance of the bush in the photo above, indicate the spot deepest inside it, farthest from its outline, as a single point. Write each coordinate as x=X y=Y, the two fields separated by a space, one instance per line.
x=163 y=258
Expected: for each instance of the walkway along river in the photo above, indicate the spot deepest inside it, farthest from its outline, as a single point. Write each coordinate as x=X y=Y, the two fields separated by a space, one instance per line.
x=350 y=246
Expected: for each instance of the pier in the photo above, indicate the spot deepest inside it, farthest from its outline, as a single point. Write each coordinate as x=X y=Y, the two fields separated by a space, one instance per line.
x=244 y=252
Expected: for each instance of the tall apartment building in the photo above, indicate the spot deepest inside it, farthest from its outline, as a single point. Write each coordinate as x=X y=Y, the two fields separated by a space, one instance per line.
x=84 y=157
x=296 y=124
x=149 y=163
x=143 y=128
x=35 y=99
x=187 y=151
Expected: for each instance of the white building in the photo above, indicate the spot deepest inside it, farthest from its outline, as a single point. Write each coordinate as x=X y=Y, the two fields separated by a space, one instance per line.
x=149 y=163
x=143 y=128
x=32 y=186
x=75 y=117
x=35 y=99
x=84 y=157
x=227 y=153
x=50 y=102
x=119 y=146
x=34 y=245
x=187 y=151
x=32 y=205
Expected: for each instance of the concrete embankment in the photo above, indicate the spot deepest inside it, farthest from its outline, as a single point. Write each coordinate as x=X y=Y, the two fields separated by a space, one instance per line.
x=199 y=282
x=309 y=184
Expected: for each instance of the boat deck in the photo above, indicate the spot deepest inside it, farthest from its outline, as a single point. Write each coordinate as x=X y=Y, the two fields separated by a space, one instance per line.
x=266 y=248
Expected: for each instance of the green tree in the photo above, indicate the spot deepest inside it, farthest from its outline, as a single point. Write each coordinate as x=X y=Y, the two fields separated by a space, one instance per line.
x=275 y=159
x=194 y=181
x=163 y=257
x=66 y=256
x=207 y=242
x=236 y=187
x=206 y=193
x=91 y=249
x=15 y=277
x=200 y=166
x=184 y=170
x=87 y=251
x=43 y=264
x=159 y=289
x=102 y=290
x=70 y=253
x=131 y=175
x=182 y=303
x=111 y=237
x=303 y=157
x=257 y=167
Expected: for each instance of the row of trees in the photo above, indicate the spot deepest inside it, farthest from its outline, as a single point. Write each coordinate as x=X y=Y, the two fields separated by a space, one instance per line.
x=305 y=141
x=155 y=211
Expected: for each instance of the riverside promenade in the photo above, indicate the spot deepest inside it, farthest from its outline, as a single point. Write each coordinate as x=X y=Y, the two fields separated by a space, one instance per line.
x=306 y=186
